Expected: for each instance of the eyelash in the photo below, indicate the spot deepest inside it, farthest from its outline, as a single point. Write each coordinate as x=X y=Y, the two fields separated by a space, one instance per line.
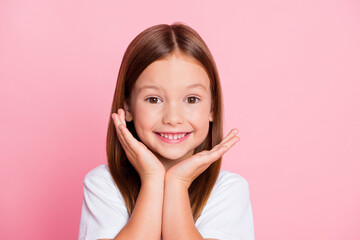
x=196 y=99
x=149 y=98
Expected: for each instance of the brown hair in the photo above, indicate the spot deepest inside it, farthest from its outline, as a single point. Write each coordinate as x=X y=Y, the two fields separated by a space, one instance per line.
x=152 y=44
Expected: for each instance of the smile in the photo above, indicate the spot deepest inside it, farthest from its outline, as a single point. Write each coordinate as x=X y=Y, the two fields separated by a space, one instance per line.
x=173 y=137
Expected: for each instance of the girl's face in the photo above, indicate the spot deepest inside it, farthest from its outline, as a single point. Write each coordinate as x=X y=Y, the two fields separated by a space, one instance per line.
x=171 y=107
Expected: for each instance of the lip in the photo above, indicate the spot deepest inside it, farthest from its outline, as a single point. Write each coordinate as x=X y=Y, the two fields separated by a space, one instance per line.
x=179 y=140
x=172 y=132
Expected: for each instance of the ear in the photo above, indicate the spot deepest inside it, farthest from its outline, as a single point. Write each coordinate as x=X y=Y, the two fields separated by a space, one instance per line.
x=211 y=118
x=128 y=115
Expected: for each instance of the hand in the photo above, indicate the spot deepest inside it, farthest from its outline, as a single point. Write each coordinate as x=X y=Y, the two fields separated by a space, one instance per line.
x=187 y=170
x=144 y=161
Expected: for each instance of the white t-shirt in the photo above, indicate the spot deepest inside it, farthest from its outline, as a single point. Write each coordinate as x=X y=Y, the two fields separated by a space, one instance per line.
x=227 y=214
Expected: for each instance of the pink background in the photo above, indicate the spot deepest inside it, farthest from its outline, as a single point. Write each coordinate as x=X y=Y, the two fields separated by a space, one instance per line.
x=290 y=72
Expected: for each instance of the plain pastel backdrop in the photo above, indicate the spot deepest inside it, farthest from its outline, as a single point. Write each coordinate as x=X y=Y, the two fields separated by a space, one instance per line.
x=290 y=73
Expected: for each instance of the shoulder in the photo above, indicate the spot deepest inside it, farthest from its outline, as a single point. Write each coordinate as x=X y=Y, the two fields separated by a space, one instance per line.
x=228 y=212
x=227 y=176
x=99 y=172
x=99 y=179
x=102 y=207
x=230 y=187
x=229 y=180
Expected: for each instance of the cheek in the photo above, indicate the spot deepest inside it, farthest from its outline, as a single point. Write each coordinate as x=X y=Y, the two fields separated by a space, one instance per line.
x=201 y=112
x=143 y=119
x=200 y=118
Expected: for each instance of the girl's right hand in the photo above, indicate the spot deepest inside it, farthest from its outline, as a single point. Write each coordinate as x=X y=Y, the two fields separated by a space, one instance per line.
x=143 y=160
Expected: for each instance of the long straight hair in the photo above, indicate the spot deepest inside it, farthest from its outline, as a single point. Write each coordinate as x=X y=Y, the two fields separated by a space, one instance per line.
x=152 y=44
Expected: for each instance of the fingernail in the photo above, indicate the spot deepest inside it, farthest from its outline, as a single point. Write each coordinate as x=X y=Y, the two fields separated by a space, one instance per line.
x=119 y=111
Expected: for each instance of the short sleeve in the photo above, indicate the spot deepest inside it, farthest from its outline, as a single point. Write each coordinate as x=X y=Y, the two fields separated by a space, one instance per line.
x=103 y=212
x=228 y=213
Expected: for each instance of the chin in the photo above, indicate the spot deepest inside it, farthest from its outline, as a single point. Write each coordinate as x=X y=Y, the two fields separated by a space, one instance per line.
x=174 y=156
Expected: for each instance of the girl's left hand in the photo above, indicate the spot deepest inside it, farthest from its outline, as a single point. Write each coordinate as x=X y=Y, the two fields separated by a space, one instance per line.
x=187 y=170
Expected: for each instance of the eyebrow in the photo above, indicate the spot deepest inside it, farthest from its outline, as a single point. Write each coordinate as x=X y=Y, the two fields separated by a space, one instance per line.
x=196 y=85
x=148 y=86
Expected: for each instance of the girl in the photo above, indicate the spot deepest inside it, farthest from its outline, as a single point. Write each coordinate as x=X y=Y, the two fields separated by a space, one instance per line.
x=164 y=149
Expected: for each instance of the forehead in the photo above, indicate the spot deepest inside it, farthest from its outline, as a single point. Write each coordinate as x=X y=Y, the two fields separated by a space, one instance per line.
x=176 y=71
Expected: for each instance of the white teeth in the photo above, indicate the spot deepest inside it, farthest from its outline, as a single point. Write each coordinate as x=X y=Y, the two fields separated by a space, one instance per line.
x=172 y=136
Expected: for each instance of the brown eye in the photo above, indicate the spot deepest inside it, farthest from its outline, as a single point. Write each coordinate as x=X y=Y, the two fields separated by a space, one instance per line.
x=153 y=100
x=192 y=99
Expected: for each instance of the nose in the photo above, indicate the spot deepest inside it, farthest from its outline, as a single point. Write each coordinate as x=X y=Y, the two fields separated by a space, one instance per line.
x=173 y=114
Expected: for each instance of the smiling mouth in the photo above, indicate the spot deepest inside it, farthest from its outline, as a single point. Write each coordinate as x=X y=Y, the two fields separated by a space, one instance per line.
x=173 y=136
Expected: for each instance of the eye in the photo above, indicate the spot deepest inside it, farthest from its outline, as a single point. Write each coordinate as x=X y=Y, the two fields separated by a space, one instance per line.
x=153 y=100
x=192 y=99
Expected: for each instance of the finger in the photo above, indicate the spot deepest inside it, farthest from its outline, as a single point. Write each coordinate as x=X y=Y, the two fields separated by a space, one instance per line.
x=213 y=155
x=231 y=134
x=126 y=145
x=121 y=113
x=231 y=142
x=227 y=145
x=208 y=157
x=129 y=138
x=116 y=120
x=121 y=138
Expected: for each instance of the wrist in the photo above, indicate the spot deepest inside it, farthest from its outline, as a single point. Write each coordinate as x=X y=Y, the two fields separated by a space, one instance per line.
x=152 y=178
x=178 y=182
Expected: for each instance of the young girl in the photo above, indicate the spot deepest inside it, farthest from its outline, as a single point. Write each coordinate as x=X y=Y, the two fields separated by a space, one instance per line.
x=164 y=149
